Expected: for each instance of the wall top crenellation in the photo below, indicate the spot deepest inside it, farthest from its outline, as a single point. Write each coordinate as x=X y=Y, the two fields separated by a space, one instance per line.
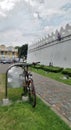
x=64 y=31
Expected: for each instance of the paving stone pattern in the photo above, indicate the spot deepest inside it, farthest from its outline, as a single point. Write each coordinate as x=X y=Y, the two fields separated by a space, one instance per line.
x=57 y=94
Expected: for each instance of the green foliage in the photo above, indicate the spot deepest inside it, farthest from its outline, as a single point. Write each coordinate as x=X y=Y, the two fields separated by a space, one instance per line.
x=16 y=47
x=52 y=69
x=49 y=68
x=22 y=51
x=21 y=116
x=67 y=71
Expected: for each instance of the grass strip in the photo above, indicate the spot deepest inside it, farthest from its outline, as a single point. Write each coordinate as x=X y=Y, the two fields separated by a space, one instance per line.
x=21 y=115
x=56 y=76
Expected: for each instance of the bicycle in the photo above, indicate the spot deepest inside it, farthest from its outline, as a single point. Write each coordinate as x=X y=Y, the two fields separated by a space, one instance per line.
x=28 y=84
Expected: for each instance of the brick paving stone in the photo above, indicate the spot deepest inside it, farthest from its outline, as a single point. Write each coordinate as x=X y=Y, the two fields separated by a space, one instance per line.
x=57 y=94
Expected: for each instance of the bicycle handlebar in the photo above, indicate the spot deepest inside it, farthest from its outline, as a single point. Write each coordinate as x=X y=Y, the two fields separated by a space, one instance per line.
x=23 y=64
x=35 y=63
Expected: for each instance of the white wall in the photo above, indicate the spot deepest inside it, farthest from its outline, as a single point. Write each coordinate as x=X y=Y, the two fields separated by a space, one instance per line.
x=58 y=52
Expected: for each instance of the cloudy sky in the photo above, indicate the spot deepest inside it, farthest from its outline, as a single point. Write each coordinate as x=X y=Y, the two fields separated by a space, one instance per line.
x=26 y=21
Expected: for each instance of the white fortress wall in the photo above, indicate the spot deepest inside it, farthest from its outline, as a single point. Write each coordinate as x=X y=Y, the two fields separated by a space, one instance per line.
x=52 y=50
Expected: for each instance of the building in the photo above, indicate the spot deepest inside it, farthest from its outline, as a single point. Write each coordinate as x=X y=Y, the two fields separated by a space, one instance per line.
x=8 y=52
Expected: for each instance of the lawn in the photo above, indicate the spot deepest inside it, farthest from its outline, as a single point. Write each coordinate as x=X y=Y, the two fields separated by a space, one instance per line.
x=21 y=116
x=56 y=76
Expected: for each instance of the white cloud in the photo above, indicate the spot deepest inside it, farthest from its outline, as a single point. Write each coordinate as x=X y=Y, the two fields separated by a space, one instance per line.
x=17 y=37
x=35 y=15
x=33 y=3
x=50 y=12
x=49 y=29
x=2 y=14
x=7 y=5
x=27 y=20
x=26 y=0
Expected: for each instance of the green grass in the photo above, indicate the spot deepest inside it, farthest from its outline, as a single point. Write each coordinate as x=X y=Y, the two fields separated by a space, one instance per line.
x=21 y=115
x=55 y=76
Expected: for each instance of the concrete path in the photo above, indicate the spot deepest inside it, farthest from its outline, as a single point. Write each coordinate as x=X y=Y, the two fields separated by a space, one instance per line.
x=57 y=94
x=4 y=67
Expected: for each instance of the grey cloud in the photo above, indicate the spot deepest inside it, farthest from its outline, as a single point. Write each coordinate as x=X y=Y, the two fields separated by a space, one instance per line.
x=66 y=7
x=31 y=34
x=15 y=18
x=42 y=1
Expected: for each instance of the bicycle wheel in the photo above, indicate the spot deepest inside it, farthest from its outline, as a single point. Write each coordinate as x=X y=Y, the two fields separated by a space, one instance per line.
x=32 y=94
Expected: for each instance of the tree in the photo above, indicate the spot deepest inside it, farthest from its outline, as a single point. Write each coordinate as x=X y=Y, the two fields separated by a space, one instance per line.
x=22 y=51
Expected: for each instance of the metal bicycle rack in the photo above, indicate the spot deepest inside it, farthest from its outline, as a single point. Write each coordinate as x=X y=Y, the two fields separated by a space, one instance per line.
x=14 y=65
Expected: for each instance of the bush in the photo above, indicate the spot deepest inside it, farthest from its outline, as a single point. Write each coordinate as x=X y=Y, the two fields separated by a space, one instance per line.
x=49 y=68
x=38 y=66
x=53 y=69
x=67 y=71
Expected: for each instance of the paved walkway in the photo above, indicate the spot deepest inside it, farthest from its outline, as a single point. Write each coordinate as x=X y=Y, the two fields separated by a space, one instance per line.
x=4 y=67
x=57 y=94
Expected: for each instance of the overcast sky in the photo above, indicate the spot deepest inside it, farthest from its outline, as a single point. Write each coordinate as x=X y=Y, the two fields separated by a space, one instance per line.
x=26 y=21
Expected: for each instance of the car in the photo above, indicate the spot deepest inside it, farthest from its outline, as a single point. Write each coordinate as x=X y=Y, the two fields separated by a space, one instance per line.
x=4 y=61
x=7 y=61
